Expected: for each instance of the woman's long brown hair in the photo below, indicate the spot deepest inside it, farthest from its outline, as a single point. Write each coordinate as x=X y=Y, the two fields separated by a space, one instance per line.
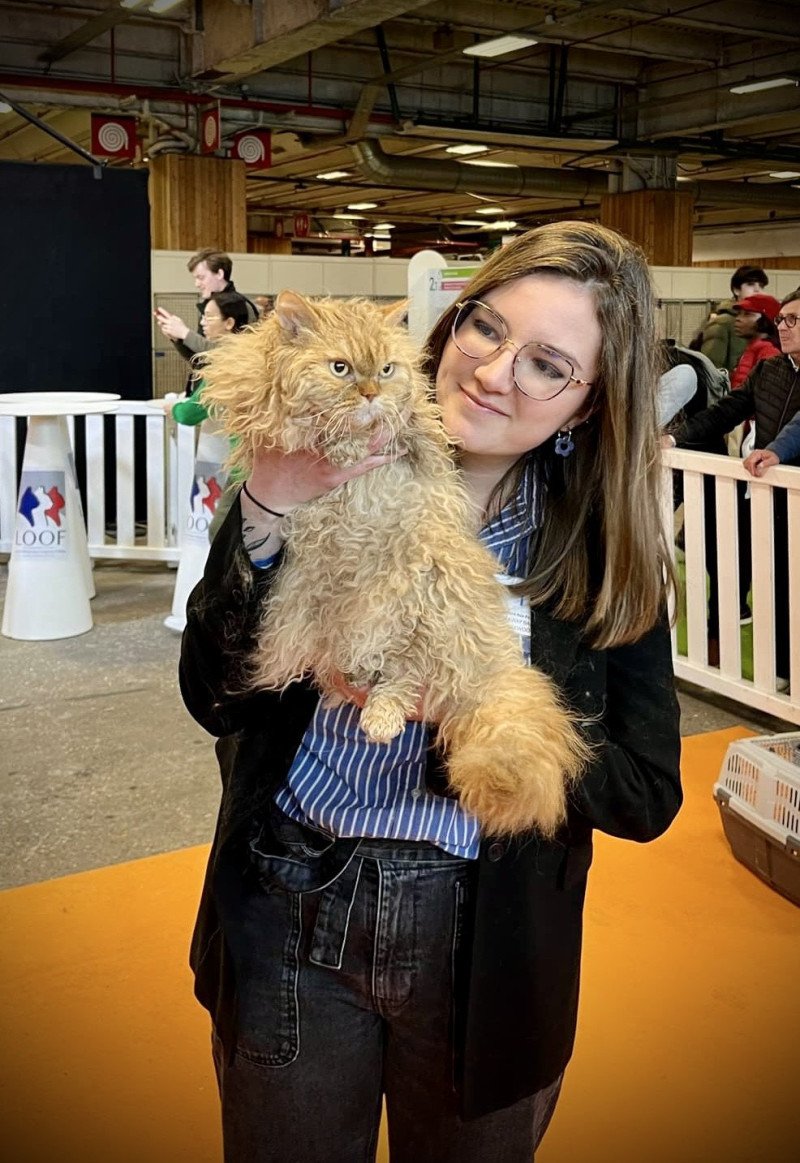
x=600 y=556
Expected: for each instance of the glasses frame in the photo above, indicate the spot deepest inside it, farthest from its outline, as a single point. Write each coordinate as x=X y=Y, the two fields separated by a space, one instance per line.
x=785 y=320
x=572 y=379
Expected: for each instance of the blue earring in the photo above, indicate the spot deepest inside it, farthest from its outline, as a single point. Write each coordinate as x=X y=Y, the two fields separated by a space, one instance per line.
x=564 y=442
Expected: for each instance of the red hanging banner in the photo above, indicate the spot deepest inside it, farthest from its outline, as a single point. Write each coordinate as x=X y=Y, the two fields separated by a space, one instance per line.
x=254 y=148
x=113 y=136
x=210 y=135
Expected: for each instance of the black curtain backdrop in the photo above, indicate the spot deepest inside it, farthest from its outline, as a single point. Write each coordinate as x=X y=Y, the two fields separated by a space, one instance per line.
x=75 y=304
x=75 y=300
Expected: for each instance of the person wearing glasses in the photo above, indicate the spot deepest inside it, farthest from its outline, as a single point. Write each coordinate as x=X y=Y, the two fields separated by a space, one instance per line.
x=358 y=939
x=785 y=448
x=771 y=393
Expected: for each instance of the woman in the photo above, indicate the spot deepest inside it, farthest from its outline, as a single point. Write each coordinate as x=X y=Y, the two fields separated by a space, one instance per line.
x=226 y=311
x=754 y=321
x=341 y=966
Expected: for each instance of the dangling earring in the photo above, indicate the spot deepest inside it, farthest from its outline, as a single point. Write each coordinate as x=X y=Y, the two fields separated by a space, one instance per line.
x=564 y=443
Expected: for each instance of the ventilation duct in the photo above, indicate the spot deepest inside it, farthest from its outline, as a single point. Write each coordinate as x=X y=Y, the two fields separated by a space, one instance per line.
x=383 y=169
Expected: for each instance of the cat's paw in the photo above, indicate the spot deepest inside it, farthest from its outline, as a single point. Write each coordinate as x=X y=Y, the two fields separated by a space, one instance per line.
x=382 y=718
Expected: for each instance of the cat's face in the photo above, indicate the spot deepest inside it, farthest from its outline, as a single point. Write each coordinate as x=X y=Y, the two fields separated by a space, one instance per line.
x=346 y=371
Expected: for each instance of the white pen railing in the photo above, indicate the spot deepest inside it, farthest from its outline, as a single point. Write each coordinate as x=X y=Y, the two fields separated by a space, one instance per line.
x=747 y=656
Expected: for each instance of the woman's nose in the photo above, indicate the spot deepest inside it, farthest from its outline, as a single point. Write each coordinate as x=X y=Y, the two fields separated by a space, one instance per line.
x=496 y=371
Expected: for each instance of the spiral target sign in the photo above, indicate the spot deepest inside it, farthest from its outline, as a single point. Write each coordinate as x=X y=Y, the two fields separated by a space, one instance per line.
x=253 y=147
x=113 y=136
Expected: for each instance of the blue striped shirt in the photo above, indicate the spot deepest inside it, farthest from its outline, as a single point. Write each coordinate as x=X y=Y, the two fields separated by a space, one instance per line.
x=344 y=785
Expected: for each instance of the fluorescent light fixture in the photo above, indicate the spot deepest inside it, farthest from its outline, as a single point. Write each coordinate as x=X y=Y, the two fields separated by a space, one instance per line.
x=468 y=222
x=785 y=174
x=757 y=86
x=466 y=148
x=489 y=210
x=5 y=107
x=330 y=175
x=384 y=226
x=350 y=217
x=489 y=165
x=362 y=205
x=164 y=5
x=501 y=224
x=499 y=46
x=132 y=3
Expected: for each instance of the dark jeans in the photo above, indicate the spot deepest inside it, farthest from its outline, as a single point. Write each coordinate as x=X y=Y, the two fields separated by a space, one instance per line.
x=345 y=997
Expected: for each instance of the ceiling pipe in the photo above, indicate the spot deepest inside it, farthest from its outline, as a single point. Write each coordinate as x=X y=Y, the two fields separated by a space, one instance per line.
x=382 y=169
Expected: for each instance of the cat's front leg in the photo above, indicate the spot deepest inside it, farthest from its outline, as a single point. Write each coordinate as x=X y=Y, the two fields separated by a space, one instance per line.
x=388 y=706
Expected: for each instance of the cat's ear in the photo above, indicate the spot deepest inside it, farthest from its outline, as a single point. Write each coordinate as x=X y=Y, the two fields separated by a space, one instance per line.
x=294 y=313
x=395 y=313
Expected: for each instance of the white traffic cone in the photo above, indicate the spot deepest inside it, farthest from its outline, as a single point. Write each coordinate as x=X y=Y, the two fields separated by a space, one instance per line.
x=207 y=486
x=46 y=596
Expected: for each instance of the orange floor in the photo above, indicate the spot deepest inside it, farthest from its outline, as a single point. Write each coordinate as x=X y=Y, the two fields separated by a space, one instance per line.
x=687 y=1050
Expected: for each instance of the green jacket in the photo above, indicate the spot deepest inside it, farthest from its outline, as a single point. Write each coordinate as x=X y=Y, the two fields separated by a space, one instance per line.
x=720 y=342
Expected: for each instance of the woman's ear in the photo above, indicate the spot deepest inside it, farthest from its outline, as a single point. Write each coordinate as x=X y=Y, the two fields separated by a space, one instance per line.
x=294 y=313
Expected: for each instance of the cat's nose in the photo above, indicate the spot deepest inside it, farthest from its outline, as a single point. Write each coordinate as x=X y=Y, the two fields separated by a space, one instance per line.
x=369 y=390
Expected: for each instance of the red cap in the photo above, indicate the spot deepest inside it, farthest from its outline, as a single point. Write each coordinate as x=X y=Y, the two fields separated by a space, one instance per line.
x=763 y=304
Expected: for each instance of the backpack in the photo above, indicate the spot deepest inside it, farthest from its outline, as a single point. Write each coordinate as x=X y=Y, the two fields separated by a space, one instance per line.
x=713 y=383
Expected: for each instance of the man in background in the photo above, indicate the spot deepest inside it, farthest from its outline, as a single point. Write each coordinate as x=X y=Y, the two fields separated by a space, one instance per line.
x=211 y=271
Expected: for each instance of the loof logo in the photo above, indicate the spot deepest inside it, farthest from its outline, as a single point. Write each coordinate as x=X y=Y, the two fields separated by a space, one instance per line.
x=209 y=481
x=41 y=513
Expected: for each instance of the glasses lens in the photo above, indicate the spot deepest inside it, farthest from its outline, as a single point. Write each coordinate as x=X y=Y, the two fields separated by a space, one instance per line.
x=541 y=373
x=789 y=320
x=477 y=331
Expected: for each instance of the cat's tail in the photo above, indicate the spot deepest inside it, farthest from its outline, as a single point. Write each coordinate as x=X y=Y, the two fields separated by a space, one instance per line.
x=513 y=754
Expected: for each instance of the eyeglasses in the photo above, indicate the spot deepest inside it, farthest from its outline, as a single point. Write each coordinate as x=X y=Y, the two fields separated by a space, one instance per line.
x=789 y=320
x=539 y=372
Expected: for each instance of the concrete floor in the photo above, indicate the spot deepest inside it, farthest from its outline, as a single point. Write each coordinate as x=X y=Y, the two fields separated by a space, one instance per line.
x=100 y=763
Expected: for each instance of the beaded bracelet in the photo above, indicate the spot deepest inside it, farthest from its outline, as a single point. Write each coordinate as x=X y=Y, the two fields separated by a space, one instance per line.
x=266 y=508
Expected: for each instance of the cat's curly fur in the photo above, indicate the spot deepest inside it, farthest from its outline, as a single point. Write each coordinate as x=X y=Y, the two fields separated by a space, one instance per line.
x=383 y=579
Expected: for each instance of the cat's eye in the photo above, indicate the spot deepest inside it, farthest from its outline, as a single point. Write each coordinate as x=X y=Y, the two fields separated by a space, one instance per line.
x=340 y=367
x=387 y=370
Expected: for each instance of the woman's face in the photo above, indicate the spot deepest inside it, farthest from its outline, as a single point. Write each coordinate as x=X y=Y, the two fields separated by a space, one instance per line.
x=745 y=323
x=482 y=407
x=213 y=322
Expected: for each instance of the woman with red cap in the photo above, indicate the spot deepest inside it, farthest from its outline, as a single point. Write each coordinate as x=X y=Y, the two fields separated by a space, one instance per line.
x=754 y=321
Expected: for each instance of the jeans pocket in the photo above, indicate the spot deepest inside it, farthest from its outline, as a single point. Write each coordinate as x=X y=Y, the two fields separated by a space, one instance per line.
x=268 y=1021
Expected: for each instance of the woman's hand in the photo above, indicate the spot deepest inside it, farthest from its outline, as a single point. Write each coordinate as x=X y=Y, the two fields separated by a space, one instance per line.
x=283 y=480
x=759 y=460
x=171 y=325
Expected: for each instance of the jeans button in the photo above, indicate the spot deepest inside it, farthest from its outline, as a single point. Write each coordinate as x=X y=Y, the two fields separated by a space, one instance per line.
x=495 y=851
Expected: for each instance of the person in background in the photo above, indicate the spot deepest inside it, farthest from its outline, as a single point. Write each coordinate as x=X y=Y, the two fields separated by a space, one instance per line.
x=785 y=448
x=226 y=313
x=211 y=271
x=753 y=321
x=718 y=339
x=771 y=393
x=358 y=936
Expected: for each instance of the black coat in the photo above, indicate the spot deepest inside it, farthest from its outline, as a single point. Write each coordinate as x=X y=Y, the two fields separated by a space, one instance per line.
x=517 y=1009
x=771 y=393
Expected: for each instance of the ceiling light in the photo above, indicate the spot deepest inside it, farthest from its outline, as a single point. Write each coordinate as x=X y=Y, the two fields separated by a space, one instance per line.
x=489 y=164
x=362 y=205
x=5 y=107
x=384 y=226
x=682 y=178
x=132 y=3
x=499 y=45
x=350 y=217
x=785 y=174
x=468 y=222
x=331 y=174
x=756 y=86
x=501 y=224
x=465 y=148
x=489 y=210
x=164 y=5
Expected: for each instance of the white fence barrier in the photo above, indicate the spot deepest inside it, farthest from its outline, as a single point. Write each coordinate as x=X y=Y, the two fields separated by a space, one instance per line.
x=690 y=635
x=169 y=451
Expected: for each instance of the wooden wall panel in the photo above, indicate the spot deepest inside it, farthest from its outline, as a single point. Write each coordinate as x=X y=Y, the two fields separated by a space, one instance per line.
x=660 y=221
x=197 y=201
x=779 y=263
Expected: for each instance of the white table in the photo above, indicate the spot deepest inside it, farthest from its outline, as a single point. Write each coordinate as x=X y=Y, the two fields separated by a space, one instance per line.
x=49 y=572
